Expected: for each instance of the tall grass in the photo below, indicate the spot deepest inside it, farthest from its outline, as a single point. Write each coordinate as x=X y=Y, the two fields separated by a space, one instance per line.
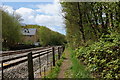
x=55 y=70
x=78 y=70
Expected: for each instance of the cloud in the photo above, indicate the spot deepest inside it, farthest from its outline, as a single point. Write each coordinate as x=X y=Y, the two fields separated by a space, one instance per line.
x=49 y=9
x=45 y=15
x=47 y=20
x=27 y=14
x=8 y=9
x=52 y=14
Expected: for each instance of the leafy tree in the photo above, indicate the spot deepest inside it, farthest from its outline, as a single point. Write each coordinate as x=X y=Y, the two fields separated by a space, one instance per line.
x=48 y=37
x=94 y=29
x=87 y=21
x=10 y=30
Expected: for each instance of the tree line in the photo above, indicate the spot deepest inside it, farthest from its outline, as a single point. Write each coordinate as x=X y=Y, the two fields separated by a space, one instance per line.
x=11 y=32
x=93 y=30
x=87 y=21
x=48 y=37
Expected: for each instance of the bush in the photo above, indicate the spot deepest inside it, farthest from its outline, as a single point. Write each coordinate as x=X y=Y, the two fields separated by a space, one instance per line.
x=103 y=57
x=78 y=70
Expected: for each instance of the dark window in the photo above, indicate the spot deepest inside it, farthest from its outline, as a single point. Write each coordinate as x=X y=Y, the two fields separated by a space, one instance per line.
x=26 y=31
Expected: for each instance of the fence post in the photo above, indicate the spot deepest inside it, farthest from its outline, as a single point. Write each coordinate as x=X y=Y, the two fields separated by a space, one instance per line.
x=58 y=52
x=40 y=65
x=47 y=58
x=44 y=71
x=53 y=51
x=30 y=67
x=63 y=47
x=2 y=69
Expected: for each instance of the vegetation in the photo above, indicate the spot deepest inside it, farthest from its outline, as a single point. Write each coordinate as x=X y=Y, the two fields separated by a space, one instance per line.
x=87 y=21
x=56 y=69
x=10 y=29
x=11 y=32
x=47 y=36
x=94 y=28
x=103 y=57
x=78 y=70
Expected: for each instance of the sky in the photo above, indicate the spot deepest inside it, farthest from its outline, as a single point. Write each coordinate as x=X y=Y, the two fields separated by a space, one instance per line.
x=39 y=12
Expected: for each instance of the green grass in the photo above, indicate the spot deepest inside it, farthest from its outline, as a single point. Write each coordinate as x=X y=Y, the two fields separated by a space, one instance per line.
x=78 y=70
x=55 y=70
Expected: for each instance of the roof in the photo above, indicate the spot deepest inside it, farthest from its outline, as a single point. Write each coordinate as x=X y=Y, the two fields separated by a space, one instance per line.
x=29 y=31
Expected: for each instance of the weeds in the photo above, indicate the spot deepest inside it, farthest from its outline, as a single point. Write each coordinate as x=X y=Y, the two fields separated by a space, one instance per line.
x=55 y=70
x=78 y=70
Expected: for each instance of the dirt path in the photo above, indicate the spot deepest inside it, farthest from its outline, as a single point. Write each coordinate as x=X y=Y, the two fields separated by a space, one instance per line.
x=65 y=65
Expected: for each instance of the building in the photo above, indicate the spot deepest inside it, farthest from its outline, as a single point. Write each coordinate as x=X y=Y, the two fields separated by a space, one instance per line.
x=30 y=36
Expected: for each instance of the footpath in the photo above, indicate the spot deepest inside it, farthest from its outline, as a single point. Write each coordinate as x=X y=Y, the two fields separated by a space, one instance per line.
x=66 y=64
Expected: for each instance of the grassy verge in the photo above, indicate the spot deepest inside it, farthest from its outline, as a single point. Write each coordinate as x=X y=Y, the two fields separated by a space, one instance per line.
x=78 y=70
x=55 y=70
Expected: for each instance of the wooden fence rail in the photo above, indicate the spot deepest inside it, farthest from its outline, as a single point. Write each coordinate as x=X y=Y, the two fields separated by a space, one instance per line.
x=29 y=58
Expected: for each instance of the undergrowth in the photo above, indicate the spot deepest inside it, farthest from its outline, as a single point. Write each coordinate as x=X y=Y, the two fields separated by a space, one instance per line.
x=55 y=70
x=102 y=57
x=78 y=69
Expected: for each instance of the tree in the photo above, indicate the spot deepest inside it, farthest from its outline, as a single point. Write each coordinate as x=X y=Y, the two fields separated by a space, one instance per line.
x=47 y=36
x=87 y=21
x=11 y=30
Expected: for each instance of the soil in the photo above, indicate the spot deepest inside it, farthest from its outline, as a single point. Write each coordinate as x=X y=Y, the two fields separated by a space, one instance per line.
x=65 y=65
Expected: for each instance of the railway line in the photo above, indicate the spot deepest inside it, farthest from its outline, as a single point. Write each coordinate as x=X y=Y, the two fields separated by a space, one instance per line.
x=15 y=62
x=7 y=53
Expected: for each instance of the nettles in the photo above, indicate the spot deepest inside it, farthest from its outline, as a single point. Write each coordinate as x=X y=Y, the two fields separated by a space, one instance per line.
x=102 y=57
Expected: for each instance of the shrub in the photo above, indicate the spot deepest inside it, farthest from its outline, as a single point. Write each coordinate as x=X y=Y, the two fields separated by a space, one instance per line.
x=103 y=57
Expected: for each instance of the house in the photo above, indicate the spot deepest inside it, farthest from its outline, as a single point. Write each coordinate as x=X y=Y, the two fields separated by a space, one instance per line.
x=30 y=36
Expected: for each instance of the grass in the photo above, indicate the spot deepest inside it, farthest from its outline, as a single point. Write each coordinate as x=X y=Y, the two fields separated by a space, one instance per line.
x=78 y=70
x=55 y=70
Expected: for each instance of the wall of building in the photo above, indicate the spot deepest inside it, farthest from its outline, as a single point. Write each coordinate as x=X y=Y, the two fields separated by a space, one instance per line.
x=30 y=39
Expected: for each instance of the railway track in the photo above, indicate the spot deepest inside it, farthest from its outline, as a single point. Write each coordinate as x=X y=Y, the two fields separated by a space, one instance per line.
x=7 y=53
x=15 y=62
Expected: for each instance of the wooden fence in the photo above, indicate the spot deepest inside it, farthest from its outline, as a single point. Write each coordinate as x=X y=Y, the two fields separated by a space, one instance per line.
x=29 y=58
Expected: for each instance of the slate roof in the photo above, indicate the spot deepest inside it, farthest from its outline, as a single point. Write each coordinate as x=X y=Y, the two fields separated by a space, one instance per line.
x=29 y=31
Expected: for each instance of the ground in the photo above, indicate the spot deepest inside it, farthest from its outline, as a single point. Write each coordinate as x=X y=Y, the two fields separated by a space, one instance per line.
x=65 y=65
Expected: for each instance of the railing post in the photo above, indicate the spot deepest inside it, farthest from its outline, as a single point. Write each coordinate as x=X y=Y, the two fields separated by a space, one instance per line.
x=47 y=58
x=53 y=51
x=58 y=52
x=44 y=71
x=30 y=67
x=62 y=48
x=2 y=69
x=40 y=65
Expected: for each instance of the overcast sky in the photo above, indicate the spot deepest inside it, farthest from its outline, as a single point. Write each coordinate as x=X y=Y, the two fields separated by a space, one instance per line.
x=41 y=12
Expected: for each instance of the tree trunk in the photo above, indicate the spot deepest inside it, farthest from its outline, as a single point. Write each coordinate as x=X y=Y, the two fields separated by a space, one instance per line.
x=80 y=23
x=101 y=17
x=92 y=25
